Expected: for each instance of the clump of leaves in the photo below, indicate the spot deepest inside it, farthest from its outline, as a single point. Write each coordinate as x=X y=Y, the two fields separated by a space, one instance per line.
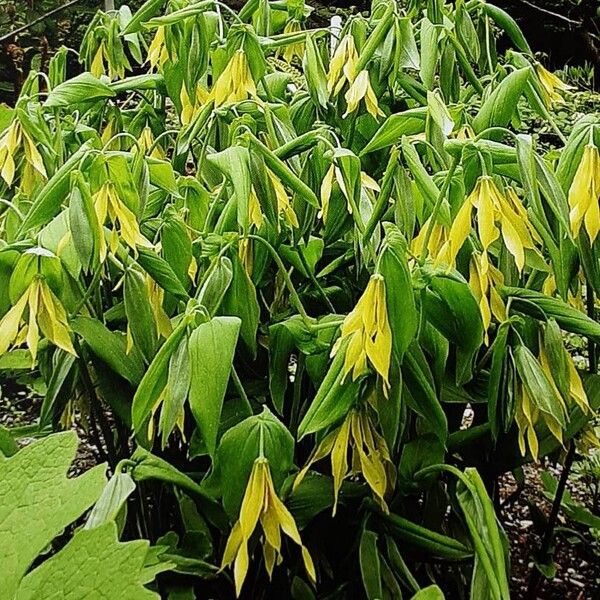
x=281 y=263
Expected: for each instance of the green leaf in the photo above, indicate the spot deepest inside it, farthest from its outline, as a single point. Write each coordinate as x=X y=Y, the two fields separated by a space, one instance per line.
x=119 y=487
x=509 y=25
x=333 y=400
x=109 y=347
x=148 y=467
x=37 y=502
x=314 y=72
x=234 y=163
x=489 y=540
x=81 y=88
x=211 y=346
x=94 y=565
x=500 y=105
x=542 y=307
x=370 y=566
x=240 y=301
x=431 y=592
x=161 y=271
x=449 y=304
x=402 y=312
x=140 y=317
x=410 y=122
x=153 y=383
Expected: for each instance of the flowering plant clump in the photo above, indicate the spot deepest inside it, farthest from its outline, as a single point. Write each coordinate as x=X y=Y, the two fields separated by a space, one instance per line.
x=268 y=267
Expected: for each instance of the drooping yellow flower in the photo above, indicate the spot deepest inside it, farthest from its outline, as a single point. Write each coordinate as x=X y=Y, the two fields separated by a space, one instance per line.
x=368 y=332
x=493 y=208
x=261 y=504
x=370 y=456
x=46 y=313
x=158 y=53
x=254 y=211
x=342 y=67
x=108 y=204
x=235 y=83
x=102 y=61
x=146 y=141
x=284 y=206
x=334 y=174
x=13 y=139
x=464 y=132
x=156 y=296
x=584 y=194
x=483 y=279
x=551 y=85
x=292 y=50
x=438 y=245
x=359 y=89
x=191 y=106
x=528 y=414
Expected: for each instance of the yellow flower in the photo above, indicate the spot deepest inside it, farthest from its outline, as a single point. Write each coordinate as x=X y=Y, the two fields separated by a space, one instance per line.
x=261 y=503
x=368 y=332
x=492 y=208
x=342 y=67
x=156 y=296
x=438 y=245
x=235 y=82
x=14 y=138
x=254 y=211
x=146 y=141
x=108 y=204
x=528 y=414
x=158 y=53
x=292 y=50
x=550 y=85
x=46 y=313
x=97 y=66
x=370 y=456
x=584 y=194
x=189 y=106
x=483 y=279
x=334 y=173
x=284 y=207
x=361 y=88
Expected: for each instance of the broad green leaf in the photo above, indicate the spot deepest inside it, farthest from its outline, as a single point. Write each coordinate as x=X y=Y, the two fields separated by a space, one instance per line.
x=81 y=88
x=409 y=122
x=500 y=105
x=211 y=347
x=110 y=347
x=94 y=565
x=37 y=502
x=370 y=565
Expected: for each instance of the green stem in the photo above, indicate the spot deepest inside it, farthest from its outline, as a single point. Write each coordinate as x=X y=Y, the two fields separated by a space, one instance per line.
x=286 y=277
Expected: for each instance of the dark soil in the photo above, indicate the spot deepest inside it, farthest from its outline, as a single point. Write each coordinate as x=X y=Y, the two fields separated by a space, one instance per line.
x=577 y=559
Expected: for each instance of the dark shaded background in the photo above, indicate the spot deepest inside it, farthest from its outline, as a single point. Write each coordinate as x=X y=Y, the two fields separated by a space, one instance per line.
x=566 y=31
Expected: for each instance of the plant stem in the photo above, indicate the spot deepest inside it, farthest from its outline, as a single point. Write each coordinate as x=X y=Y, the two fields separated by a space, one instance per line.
x=592 y=356
x=544 y=554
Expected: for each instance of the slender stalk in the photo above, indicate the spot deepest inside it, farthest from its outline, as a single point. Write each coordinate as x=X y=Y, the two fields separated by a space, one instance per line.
x=544 y=554
x=286 y=277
